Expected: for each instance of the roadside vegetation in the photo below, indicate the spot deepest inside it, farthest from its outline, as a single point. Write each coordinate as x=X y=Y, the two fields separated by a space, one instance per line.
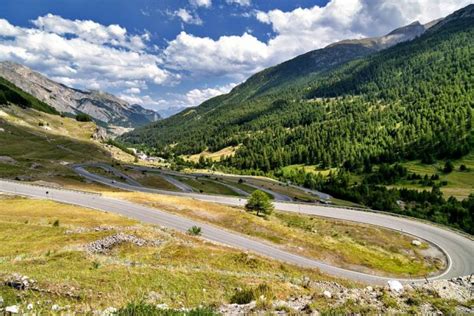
x=349 y=245
x=174 y=269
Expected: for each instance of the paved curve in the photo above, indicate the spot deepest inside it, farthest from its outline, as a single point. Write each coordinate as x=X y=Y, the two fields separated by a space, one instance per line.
x=277 y=196
x=459 y=249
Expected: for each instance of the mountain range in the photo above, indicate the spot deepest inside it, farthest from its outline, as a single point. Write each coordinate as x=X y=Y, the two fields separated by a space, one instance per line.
x=106 y=109
x=406 y=94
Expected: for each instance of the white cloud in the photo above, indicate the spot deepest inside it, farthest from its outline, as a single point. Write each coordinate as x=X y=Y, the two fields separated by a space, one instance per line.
x=299 y=31
x=240 y=2
x=90 y=31
x=187 y=16
x=227 y=55
x=95 y=57
x=201 y=3
x=195 y=97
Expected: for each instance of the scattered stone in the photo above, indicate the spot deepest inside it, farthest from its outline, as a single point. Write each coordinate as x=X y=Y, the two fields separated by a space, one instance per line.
x=459 y=289
x=106 y=244
x=236 y=309
x=55 y=308
x=2 y=130
x=35 y=165
x=327 y=294
x=7 y=160
x=416 y=243
x=395 y=286
x=162 y=306
x=109 y=311
x=29 y=306
x=12 y=309
x=294 y=303
x=19 y=282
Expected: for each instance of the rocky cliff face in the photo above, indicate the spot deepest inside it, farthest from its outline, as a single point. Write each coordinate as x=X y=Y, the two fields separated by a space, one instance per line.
x=103 y=107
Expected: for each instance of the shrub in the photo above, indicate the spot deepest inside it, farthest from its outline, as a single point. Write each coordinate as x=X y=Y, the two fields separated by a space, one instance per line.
x=448 y=167
x=243 y=297
x=82 y=117
x=56 y=223
x=195 y=231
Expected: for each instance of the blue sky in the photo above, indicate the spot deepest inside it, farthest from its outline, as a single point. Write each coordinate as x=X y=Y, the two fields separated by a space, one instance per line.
x=175 y=53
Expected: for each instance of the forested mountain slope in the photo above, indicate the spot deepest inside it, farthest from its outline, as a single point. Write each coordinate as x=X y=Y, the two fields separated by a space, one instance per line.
x=407 y=101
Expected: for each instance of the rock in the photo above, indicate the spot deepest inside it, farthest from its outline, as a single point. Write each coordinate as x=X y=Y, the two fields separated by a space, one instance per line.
x=416 y=243
x=29 y=306
x=458 y=289
x=107 y=243
x=7 y=160
x=12 y=309
x=395 y=286
x=2 y=130
x=162 y=306
x=327 y=294
x=100 y=134
x=55 y=308
x=19 y=282
x=109 y=311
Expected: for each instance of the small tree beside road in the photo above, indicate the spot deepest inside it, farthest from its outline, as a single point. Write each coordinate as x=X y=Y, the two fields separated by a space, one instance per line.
x=259 y=202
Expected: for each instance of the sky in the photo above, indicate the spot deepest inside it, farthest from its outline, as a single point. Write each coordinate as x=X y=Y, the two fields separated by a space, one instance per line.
x=170 y=54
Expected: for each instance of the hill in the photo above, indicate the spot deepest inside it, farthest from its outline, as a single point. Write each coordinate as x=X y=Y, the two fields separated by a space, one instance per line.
x=105 y=108
x=254 y=97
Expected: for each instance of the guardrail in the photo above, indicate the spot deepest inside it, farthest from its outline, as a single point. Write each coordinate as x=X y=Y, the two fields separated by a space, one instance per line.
x=51 y=187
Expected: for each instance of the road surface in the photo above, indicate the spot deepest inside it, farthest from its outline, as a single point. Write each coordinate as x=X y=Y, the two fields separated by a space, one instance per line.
x=458 y=249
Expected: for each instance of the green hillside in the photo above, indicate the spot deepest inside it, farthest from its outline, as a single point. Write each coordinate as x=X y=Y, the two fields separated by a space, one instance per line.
x=9 y=93
x=408 y=101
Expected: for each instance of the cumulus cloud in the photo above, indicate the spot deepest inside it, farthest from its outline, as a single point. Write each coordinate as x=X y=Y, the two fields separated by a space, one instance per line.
x=201 y=3
x=299 y=31
x=195 y=97
x=83 y=54
x=228 y=54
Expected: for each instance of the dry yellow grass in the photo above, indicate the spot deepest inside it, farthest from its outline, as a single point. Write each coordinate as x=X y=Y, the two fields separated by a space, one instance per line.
x=181 y=271
x=355 y=246
x=214 y=156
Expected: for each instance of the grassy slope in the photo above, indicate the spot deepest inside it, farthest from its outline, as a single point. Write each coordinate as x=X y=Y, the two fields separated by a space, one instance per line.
x=206 y=186
x=43 y=144
x=460 y=183
x=181 y=271
x=13 y=94
x=345 y=244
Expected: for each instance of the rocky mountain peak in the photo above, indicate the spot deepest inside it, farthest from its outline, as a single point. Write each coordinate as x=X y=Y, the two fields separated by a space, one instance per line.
x=102 y=106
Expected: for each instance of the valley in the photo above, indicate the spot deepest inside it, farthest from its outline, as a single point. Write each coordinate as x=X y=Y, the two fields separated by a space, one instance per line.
x=340 y=181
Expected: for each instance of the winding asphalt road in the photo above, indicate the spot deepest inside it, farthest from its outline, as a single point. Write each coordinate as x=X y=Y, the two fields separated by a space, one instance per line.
x=459 y=249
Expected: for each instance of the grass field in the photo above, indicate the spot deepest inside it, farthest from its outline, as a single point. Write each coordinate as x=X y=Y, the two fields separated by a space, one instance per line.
x=206 y=186
x=180 y=271
x=216 y=156
x=349 y=245
x=460 y=183
x=41 y=145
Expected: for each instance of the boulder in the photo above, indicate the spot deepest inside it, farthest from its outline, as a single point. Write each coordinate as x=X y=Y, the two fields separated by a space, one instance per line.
x=12 y=309
x=416 y=243
x=327 y=294
x=395 y=286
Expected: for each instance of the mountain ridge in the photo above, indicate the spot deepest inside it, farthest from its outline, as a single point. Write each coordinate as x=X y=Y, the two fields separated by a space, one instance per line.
x=291 y=124
x=106 y=108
